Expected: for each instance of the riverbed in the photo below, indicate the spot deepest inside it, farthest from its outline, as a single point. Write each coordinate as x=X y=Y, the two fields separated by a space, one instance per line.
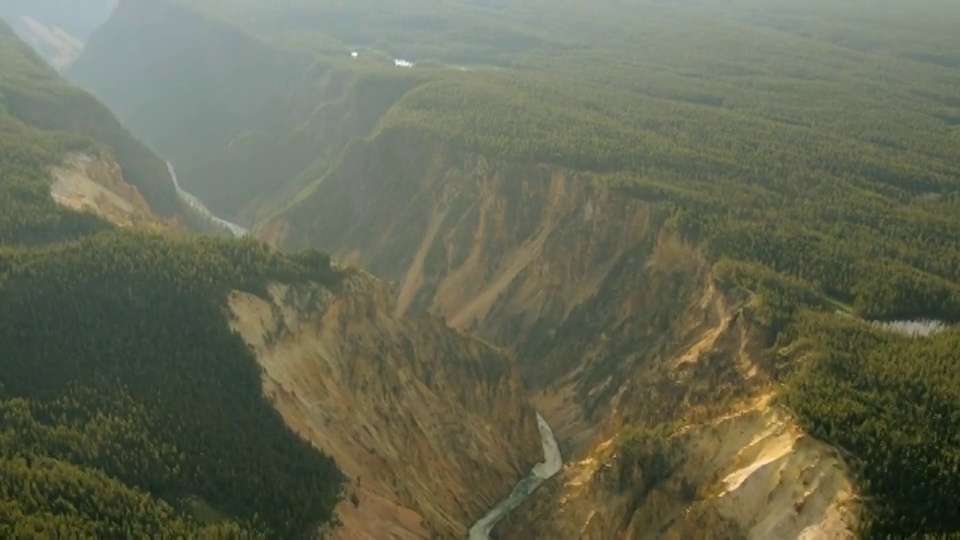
x=551 y=465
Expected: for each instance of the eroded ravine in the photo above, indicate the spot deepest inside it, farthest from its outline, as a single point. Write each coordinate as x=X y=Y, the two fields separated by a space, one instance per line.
x=551 y=465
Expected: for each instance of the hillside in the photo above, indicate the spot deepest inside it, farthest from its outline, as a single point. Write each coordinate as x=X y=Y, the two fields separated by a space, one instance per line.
x=78 y=19
x=47 y=122
x=222 y=117
x=428 y=442
x=167 y=407
x=586 y=227
x=56 y=28
x=685 y=219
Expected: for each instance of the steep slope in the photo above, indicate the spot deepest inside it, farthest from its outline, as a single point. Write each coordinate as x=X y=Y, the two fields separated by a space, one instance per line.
x=606 y=305
x=61 y=125
x=660 y=220
x=751 y=474
x=655 y=259
x=143 y=342
x=264 y=110
x=79 y=19
x=56 y=28
x=86 y=183
x=432 y=422
x=153 y=417
x=225 y=117
x=145 y=383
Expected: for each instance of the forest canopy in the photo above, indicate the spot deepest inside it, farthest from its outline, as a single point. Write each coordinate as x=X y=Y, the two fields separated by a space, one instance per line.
x=127 y=406
x=810 y=148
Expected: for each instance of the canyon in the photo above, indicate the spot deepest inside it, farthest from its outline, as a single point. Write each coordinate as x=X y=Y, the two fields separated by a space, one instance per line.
x=651 y=294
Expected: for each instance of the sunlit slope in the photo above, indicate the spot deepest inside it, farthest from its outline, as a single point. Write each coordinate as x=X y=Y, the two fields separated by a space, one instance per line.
x=578 y=193
x=575 y=220
x=60 y=119
x=152 y=417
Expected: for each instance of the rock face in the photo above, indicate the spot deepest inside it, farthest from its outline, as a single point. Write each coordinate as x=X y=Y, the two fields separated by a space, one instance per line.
x=95 y=184
x=749 y=474
x=615 y=319
x=431 y=426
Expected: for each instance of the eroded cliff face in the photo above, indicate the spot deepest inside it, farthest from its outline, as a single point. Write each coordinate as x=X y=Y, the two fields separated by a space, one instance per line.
x=616 y=321
x=431 y=426
x=93 y=183
x=749 y=474
x=725 y=461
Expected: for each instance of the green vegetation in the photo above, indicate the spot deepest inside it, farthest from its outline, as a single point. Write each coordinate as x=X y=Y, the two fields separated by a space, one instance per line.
x=45 y=493
x=123 y=321
x=811 y=148
x=33 y=94
x=127 y=406
x=894 y=403
x=646 y=457
x=790 y=165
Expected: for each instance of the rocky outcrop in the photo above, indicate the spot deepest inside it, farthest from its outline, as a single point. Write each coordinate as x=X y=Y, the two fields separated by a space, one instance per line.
x=85 y=182
x=614 y=317
x=432 y=426
x=748 y=474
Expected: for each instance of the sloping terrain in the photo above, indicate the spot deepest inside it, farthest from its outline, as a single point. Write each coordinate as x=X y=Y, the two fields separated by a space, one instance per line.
x=222 y=117
x=58 y=119
x=751 y=474
x=433 y=422
x=153 y=418
x=609 y=310
x=658 y=209
x=84 y=183
x=79 y=19
x=597 y=233
x=56 y=28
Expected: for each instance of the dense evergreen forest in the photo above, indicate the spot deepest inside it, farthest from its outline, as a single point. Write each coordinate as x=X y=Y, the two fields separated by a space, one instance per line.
x=119 y=345
x=811 y=148
x=813 y=151
x=853 y=211
x=128 y=409
x=33 y=94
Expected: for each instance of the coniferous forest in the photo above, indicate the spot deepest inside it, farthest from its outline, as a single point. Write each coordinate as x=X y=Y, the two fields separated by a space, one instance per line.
x=128 y=409
x=810 y=150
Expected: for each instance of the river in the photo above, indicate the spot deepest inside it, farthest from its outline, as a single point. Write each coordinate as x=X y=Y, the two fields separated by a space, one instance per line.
x=197 y=205
x=551 y=464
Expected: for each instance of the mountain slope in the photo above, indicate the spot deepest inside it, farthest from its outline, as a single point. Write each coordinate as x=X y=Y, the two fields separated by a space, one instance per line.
x=440 y=438
x=79 y=19
x=659 y=209
x=221 y=116
x=152 y=416
x=618 y=241
x=56 y=28
x=63 y=124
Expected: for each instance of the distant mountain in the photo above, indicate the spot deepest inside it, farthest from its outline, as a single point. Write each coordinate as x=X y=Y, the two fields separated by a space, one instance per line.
x=56 y=28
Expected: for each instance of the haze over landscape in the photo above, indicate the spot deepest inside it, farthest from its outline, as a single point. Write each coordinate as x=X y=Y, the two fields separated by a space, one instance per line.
x=508 y=269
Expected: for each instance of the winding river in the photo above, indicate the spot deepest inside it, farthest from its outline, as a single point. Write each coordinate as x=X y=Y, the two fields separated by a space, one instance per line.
x=551 y=464
x=197 y=205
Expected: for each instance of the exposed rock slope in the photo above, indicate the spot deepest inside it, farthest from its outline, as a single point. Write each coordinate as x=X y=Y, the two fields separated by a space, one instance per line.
x=432 y=426
x=615 y=319
x=751 y=474
x=93 y=183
